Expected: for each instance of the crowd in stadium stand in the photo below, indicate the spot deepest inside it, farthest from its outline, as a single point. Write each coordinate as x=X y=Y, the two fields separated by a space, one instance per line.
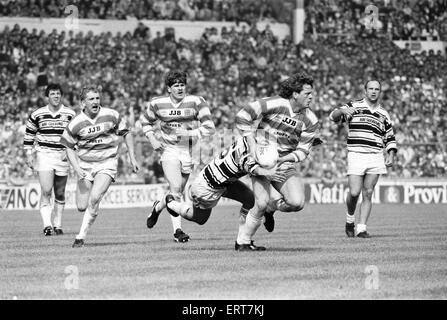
x=201 y=10
x=399 y=20
x=229 y=70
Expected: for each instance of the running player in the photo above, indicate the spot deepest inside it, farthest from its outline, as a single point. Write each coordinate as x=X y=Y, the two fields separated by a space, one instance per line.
x=370 y=133
x=220 y=178
x=288 y=120
x=183 y=120
x=43 y=130
x=92 y=139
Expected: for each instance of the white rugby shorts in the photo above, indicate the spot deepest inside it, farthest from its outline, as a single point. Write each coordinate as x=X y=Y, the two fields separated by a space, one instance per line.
x=108 y=166
x=183 y=154
x=203 y=196
x=52 y=160
x=366 y=163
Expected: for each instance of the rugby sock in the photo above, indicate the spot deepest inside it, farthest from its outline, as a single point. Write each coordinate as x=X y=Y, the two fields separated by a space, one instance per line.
x=45 y=212
x=176 y=222
x=350 y=218
x=248 y=230
x=87 y=221
x=57 y=213
x=361 y=228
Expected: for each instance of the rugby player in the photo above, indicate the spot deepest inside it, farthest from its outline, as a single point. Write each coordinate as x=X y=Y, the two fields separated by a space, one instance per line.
x=220 y=178
x=47 y=156
x=184 y=119
x=92 y=139
x=370 y=132
x=287 y=120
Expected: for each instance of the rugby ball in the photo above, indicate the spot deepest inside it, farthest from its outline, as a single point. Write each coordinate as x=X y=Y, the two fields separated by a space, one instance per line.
x=266 y=154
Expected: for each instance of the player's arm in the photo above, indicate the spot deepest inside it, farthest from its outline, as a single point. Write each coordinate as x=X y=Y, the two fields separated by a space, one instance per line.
x=148 y=124
x=123 y=130
x=28 y=139
x=308 y=134
x=254 y=169
x=245 y=121
x=390 y=143
x=343 y=113
x=69 y=140
x=206 y=127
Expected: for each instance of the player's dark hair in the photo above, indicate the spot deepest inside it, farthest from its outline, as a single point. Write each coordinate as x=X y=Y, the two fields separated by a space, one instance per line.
x=174 y=77
x=371 y=80
x=86 y=89
x=54 y=87
x=293 y=84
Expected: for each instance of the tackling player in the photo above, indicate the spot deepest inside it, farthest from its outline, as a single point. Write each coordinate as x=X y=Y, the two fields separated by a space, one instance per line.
x=370 y=131
x=183 y=120
x=95 y=135
x=43 y=130
x=220 y=178
x=288 y=120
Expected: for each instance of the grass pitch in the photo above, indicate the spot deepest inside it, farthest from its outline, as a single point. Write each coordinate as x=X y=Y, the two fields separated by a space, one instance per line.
x=308 y=257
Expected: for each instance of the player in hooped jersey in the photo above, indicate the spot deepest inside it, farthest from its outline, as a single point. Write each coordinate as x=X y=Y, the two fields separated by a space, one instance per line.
x=370 y=132
x=220 y=178
x=288 y=121
x=183 y=119
x=43 y=130
x=92 y=139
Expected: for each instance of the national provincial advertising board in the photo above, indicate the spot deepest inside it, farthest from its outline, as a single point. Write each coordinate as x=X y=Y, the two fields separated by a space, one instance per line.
x=141 y=195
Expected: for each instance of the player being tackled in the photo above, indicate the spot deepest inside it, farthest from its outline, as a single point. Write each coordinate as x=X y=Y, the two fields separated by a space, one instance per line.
x=220 y=178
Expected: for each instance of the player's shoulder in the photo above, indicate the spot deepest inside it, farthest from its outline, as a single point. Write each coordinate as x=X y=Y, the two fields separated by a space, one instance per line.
x=38 y=111
x=194 y=98
x=68 y=110
x=384 y=112
x=105 y=111
x=310 y=115
x=159 y=99
x=357 y=103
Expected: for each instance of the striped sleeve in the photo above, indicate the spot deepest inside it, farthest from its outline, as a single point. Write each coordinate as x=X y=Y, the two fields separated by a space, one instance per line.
x=207 y=127
x=390 y=138
x=308 y=134
x=149 y=119
x=248 y=115
x=30 y=132
x=68 y=138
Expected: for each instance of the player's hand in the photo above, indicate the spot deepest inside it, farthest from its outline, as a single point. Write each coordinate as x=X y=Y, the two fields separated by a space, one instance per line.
x=81 y=173
x=389 y=161
x=349 y=112
x=157 y=145
x=30 y=161
x=135 y=165
x=276 y=174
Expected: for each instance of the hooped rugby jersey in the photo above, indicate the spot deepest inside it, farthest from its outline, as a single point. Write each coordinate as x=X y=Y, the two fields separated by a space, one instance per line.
x=95 y=139
x=293 y=132
x=44 y=128
x=192 y=114
x=370 y=131
x=233 y=163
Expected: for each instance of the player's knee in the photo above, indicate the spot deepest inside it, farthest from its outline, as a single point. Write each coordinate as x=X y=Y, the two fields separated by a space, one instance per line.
x=354 y=193
x=367 y=193
x=296 y=204
x=262 y=204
